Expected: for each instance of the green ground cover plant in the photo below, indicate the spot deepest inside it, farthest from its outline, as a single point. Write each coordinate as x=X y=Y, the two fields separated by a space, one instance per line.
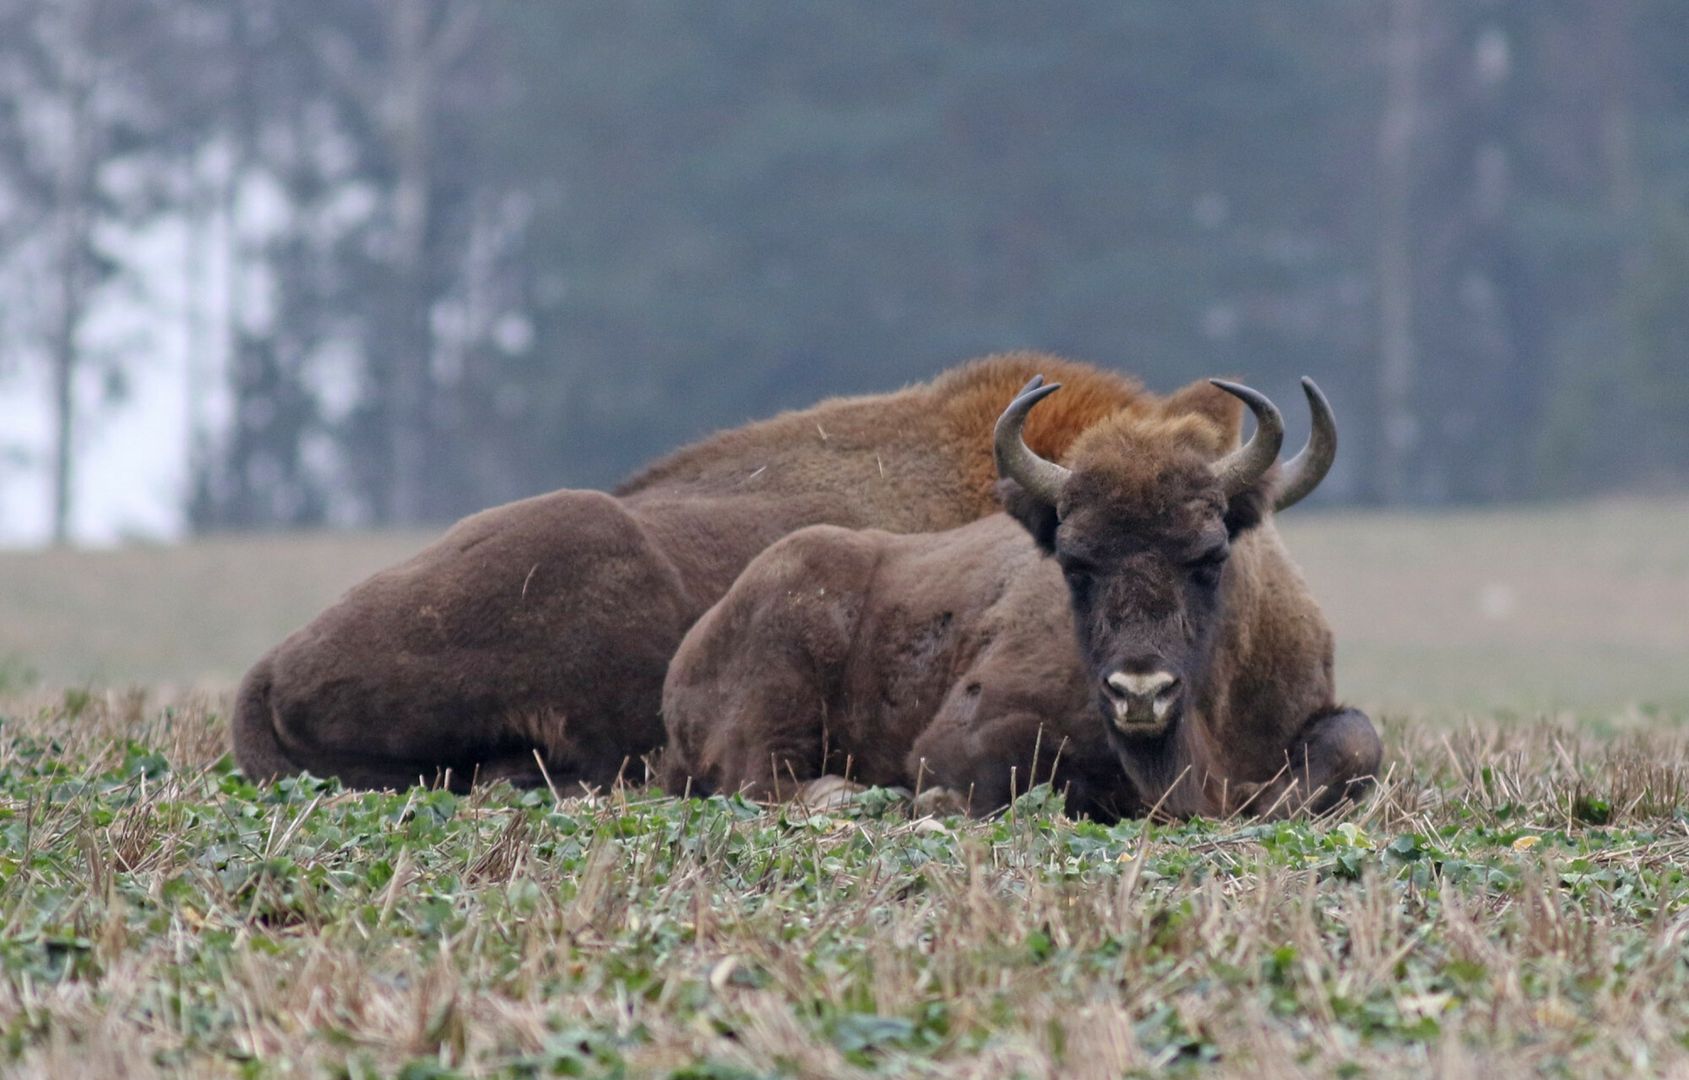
x=1514 y=900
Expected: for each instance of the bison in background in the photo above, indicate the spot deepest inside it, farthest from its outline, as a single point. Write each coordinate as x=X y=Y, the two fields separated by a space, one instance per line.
x=531 y=640
x=1202 y=678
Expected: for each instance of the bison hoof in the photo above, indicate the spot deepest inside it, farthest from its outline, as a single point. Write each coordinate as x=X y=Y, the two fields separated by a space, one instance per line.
x=829 y=793
x=939 y=802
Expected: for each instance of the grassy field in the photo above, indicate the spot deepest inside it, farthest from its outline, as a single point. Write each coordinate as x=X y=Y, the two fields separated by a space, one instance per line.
x=1514 y=901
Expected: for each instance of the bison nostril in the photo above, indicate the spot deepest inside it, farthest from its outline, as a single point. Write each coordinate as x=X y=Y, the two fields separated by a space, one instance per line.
x=1158 y=684
x=1142 y=702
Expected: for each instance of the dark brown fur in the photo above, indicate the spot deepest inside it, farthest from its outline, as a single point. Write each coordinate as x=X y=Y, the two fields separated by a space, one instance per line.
x=546 y=625
x=949 y=659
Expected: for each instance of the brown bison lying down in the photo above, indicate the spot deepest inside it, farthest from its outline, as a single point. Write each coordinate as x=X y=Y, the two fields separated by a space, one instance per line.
x=1202 y=678
x=540 y=631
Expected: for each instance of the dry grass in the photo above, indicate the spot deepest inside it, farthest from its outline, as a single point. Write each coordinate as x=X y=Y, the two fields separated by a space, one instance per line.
x=1513 y=902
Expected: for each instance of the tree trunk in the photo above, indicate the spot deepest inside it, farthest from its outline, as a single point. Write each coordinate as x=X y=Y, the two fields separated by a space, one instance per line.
x=199 y=211
x=409 y=115
x=63 y=349
x=72 y=192
x=1398 y=429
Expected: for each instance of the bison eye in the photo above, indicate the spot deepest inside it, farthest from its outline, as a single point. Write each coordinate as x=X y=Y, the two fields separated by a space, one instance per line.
x=1079 y=576
x=1205 y=570
x=1078 y=586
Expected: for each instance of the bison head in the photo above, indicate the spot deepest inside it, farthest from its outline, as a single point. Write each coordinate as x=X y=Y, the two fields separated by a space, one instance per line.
x=1142 y=525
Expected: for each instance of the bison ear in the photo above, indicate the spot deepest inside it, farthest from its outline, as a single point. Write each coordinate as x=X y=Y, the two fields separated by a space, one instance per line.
x=1037 y=516
x=1248 y=507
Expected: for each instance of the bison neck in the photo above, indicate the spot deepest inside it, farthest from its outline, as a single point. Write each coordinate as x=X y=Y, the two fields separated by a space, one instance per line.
x=1272 y=665
x=1269 y=672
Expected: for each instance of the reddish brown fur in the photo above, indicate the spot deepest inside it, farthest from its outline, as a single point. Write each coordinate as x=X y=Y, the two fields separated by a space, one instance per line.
x=546 y=625
x=949 y=659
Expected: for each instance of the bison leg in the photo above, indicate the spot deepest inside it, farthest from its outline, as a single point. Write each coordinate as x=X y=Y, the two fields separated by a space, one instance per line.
x=540 y=627
x=263 y=754
x=938 y=802
x=828 y=792
x=409 y=725
x=752 y=724
x=275 y=737
x=1334 y=758
x=988 y=763
x=752 y=690
x=765 y=742
x=1340 y=753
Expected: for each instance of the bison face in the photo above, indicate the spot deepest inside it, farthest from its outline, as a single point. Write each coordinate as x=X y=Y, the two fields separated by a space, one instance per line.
x=1144 y=581
x=1142 y=525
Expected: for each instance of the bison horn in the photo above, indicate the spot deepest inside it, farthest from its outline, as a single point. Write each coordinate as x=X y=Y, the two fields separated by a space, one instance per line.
x=1245 y=465
x=1303 y=473
x=1015 y=460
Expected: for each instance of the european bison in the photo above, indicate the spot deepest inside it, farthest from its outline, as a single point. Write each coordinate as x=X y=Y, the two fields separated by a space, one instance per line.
x=546 y=625
x=1202 y=680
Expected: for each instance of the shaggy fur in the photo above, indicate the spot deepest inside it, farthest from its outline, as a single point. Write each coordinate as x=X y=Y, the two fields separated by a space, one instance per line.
x=948 y=660
x=546 y=625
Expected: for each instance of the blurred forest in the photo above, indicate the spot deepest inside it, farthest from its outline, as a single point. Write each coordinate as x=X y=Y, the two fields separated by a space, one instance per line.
x=439 y=254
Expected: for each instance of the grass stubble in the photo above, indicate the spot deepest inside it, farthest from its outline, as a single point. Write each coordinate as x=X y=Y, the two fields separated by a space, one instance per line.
x=1513 y=901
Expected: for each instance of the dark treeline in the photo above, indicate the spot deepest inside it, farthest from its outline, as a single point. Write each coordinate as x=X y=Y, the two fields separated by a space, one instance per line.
x=449 y=253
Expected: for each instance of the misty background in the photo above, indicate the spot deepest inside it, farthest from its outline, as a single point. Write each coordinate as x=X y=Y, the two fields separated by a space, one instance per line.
x=273 y=264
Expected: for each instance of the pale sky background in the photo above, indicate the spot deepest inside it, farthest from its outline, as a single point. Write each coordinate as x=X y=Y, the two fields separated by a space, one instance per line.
x=132 y=471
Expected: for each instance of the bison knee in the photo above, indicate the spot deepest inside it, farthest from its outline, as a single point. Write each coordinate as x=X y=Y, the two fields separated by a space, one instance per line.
x=749 y=690
x=1341 y=752
x=257 y=743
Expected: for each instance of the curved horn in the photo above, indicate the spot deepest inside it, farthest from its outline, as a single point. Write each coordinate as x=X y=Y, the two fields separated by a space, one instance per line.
x=1247 y=463
x=1015 y=460
x=1303 y=473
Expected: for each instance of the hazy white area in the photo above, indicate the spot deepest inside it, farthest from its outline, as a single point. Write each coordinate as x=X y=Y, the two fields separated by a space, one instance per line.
x=131 y=471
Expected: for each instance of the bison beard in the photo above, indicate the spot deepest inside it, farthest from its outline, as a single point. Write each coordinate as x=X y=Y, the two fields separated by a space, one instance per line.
x=1133 y=631
x=535 y=635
